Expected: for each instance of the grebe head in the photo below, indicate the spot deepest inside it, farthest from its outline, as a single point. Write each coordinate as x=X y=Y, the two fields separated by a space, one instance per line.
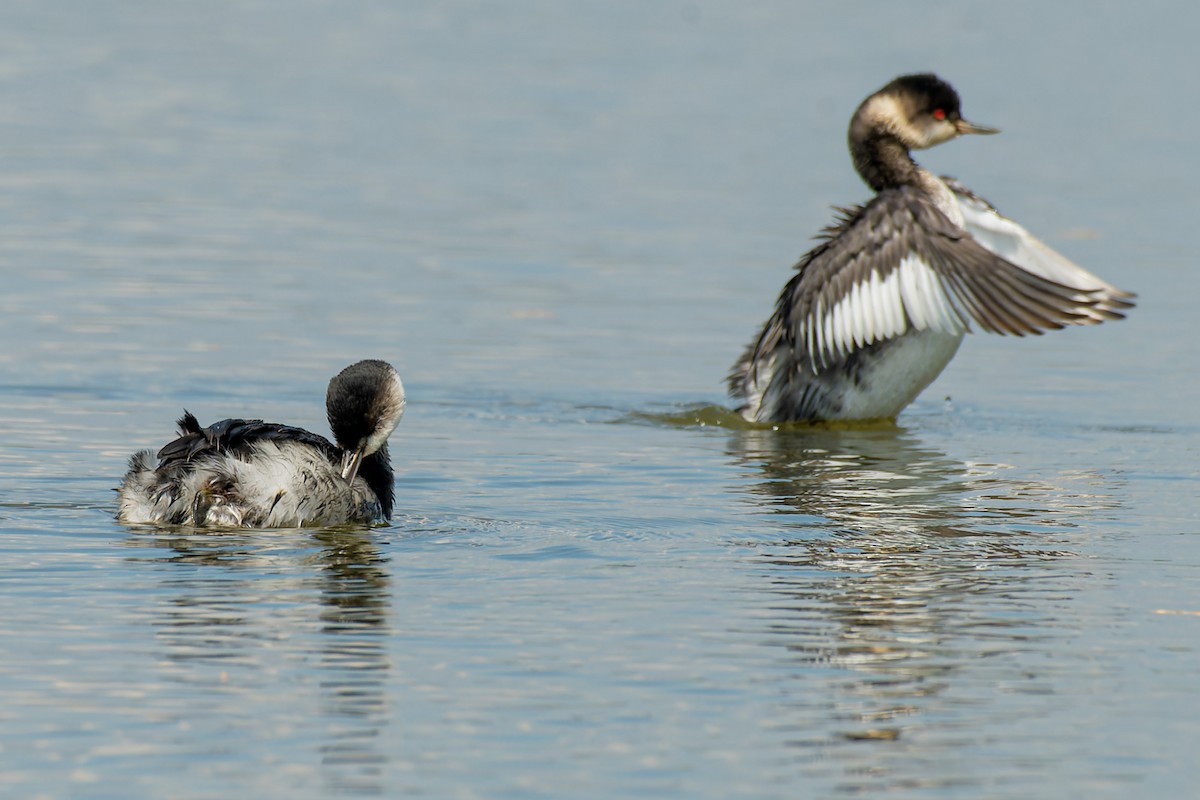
x=364 y=403
x=917 y=110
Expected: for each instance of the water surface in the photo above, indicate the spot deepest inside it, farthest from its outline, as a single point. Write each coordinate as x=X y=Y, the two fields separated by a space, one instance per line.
x=561 y=222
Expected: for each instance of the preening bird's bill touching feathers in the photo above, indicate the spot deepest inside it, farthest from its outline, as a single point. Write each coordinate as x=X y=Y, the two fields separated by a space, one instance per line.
x=250 y=473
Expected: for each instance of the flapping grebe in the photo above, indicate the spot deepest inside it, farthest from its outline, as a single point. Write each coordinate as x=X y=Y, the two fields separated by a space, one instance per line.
x=880 y=306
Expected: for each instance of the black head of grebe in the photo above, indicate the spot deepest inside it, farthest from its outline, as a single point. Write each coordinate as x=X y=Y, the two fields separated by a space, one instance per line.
x=913 y=112
x=250 y=473
x=878 y=308
x=364 y=404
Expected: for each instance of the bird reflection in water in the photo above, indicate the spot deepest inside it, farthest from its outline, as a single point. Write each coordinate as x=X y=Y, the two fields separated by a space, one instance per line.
x=290 y=601
x=354 y=657
x=904 y=582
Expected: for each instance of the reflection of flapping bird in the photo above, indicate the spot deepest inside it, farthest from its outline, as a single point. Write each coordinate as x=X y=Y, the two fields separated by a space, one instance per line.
x=881 y=481
x=877 y=481
x=878 y=309
x=250 y=473
x=908 y=572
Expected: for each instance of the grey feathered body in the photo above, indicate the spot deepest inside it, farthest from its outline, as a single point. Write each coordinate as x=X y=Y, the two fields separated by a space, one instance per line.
x=250 y=473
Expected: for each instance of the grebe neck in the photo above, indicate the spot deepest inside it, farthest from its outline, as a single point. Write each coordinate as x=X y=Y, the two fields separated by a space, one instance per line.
x=885 y=163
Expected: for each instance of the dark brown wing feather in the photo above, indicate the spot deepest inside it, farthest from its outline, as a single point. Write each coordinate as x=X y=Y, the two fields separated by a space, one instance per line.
x=996 y=294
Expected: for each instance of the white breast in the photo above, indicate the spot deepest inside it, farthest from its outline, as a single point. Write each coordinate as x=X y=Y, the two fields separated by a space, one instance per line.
x=897 y=374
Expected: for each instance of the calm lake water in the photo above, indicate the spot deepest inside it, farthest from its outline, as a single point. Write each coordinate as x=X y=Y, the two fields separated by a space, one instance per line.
x=562 y=222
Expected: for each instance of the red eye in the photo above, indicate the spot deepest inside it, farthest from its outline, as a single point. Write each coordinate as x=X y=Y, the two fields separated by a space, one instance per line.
x=939 y=113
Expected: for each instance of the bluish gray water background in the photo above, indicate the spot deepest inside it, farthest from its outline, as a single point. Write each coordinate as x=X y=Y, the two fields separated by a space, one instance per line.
x=561 y=222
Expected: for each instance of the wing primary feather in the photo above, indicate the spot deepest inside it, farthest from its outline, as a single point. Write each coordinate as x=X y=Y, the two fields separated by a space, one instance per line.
x=826 y=338
x=853 y=318
x=841 y=331
x=818 y=335
x=986 y=312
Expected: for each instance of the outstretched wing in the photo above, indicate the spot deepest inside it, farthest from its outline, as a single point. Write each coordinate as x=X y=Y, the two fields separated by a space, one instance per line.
x=1012 y=242
x=899 y=264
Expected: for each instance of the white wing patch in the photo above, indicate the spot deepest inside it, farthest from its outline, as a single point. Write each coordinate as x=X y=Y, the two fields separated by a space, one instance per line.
x=928 y=304
x=1013 y=243
x=911 y=297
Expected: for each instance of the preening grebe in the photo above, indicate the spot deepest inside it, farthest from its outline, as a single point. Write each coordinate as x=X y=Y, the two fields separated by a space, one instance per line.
x=880 y=306
x=255 y=474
